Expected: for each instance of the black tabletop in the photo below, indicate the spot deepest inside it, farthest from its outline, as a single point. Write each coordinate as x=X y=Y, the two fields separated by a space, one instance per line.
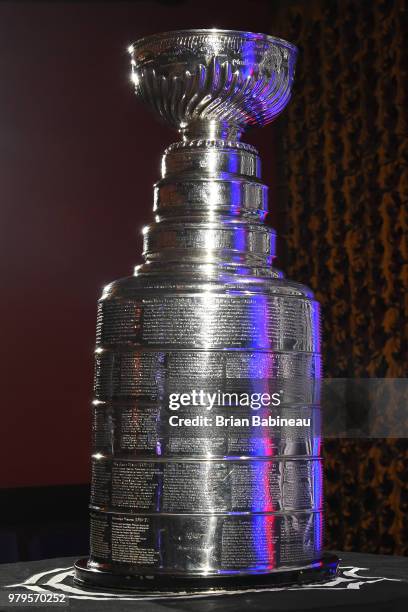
x=365 y=582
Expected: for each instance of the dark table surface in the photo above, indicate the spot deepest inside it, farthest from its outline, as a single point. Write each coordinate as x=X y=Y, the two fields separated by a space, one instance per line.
x=365 y=582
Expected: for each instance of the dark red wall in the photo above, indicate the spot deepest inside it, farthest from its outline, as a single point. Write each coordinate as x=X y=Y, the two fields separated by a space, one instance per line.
x=78 y=160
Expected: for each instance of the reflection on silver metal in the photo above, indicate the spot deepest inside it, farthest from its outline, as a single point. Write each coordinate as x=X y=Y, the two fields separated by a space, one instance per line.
x=204 y=309
x=214 y=83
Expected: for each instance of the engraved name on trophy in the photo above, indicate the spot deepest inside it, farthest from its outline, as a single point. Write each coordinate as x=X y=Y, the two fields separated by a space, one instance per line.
x=197 y=506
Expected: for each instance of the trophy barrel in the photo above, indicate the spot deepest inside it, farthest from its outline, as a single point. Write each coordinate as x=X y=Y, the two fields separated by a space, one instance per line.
x=201 y=506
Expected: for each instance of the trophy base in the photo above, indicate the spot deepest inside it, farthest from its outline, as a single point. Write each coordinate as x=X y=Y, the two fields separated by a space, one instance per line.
x=169 y=584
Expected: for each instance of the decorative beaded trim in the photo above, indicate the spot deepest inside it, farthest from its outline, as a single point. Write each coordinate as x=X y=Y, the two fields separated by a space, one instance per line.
x=210 y=144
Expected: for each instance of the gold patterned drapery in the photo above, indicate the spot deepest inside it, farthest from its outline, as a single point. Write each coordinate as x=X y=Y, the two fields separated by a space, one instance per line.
x=346 y=160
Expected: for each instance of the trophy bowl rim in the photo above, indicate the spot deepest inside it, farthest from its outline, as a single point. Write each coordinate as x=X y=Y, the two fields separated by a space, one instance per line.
x=244 y=34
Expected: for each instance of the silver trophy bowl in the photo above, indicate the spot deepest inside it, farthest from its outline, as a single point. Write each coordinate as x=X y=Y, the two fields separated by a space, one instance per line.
x=197 y=78
x=204 y=506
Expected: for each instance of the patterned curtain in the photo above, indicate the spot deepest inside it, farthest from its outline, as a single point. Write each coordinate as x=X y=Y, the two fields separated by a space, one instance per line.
x=346 y=164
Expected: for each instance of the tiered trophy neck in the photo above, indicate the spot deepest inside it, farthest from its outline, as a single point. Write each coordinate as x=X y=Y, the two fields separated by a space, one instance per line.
x=209 y=206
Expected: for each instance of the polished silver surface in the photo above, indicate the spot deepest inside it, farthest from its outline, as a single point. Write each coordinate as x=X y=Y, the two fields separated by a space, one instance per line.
x=199 y=544
x=231 y=485
x=207 y=310
x=230 y=79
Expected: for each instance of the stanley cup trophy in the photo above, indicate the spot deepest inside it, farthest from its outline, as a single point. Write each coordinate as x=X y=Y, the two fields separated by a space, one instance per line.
x=188 y=492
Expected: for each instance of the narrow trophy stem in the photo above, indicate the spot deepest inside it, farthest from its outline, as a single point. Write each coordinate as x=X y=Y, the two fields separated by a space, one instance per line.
x=211 y=129
x=209 y=208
